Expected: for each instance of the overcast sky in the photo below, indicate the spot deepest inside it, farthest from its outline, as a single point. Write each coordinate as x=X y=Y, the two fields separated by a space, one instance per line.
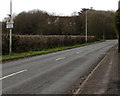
x=60 y=7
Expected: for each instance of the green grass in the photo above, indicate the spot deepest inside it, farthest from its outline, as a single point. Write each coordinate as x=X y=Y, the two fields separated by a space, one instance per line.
x=32 y=53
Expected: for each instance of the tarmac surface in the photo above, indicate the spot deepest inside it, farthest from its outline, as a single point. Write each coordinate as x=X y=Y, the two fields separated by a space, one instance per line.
x=60 y=72
x=106 y=78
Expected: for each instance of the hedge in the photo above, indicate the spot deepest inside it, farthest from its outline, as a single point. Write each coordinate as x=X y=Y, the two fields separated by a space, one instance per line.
x=24 y=43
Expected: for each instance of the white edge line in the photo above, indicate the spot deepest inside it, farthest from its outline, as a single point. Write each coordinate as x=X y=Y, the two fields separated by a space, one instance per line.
x=13 y=74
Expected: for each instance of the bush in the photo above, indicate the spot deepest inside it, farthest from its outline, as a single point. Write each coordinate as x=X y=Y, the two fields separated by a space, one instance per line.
x=5 y=44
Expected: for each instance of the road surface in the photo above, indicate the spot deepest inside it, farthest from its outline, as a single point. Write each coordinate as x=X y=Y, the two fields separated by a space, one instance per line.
x=54 y=73
x=104 y=79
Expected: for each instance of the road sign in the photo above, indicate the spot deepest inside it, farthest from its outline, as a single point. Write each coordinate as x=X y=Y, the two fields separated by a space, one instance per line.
x=9 y=24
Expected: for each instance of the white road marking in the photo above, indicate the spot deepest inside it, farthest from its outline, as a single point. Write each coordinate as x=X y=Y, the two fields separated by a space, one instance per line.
x=111 y=63
x=60 y=58
x=13 y=74
x=77 y=52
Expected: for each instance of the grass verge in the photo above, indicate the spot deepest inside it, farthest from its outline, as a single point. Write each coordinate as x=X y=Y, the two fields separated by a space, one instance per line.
x=14 y=56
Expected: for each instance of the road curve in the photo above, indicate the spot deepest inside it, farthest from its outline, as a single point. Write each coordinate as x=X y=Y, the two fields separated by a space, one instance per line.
x=52 y=73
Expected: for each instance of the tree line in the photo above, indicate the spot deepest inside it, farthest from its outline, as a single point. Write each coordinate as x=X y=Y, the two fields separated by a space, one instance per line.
x=37 y=22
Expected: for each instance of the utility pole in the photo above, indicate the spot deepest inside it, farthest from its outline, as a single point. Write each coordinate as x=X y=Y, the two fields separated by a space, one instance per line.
x=86 y=28
x=10 y=26
x=86 y=23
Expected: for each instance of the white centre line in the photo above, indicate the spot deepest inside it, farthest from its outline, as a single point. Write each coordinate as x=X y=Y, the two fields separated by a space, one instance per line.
x=60 y=58
x=77 y=52
x=111 y=63
x=13 y=74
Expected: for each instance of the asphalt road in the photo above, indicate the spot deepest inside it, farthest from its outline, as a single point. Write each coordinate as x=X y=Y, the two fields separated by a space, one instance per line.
x=53 y=73
x=104 y=79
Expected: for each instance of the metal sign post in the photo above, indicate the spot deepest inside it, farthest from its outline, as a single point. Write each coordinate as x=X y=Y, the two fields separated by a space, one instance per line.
x=9 y=25
x=10 y=49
